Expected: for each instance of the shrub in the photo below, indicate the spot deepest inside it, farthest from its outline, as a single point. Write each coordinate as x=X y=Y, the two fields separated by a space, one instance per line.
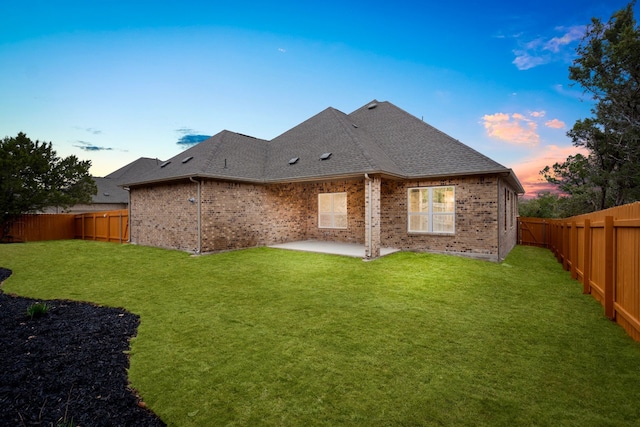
x=37 y=309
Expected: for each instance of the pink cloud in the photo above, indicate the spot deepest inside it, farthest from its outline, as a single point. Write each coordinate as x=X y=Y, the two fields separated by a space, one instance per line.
x=528 y=170
x=555 y=124
x=538 y=114
x=514 y=129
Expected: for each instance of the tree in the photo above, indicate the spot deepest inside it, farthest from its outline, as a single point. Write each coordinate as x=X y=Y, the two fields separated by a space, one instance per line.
x=546 y=205
x=33 y=177
x=608 y=69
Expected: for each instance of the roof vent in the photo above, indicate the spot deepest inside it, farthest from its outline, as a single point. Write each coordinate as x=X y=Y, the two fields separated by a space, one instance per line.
x=294 y=160
x=186 y=159
x=354 y=125
x=325 y=156
x=165 y=163
x=106 y=194
x=372 y=105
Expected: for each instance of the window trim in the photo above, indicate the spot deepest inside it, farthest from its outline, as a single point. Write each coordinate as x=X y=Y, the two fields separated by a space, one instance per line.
x=333 y=213
x=429 y=213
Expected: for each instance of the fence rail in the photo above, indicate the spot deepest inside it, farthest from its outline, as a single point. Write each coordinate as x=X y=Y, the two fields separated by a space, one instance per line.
x=108 y=226
x=602 y=251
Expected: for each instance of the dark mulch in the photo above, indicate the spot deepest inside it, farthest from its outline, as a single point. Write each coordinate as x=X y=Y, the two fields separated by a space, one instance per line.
x=69 y=364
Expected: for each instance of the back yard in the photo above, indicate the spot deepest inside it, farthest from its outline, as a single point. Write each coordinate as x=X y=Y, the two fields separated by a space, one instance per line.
x=272 y=337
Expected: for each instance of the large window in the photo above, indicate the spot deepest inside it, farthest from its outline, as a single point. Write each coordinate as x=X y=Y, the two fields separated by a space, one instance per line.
x=432 y=210
x=332 y=210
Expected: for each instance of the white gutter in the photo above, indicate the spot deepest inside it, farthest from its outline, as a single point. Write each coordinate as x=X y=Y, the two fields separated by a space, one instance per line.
x=199 y=249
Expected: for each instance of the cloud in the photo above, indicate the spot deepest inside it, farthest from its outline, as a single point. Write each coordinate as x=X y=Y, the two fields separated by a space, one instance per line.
x=282 y=50
x=192 y=139
x=572 y=34
x=90 y=130
x=555 y=124
x=546 y=49
x=88 y=146
x=514 y=128
x=524 y=60
x=538 y=114
x=528 y=171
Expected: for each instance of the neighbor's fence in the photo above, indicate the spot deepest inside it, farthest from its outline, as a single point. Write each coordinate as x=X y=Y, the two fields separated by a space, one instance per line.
x=108 y=226
x=602 y=251
x=36 y=227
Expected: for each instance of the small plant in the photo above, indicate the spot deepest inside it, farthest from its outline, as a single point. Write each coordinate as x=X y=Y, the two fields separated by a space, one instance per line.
x=37 y=309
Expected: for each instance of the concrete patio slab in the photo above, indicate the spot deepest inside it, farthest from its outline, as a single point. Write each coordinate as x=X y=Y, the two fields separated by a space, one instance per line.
x=335 y=248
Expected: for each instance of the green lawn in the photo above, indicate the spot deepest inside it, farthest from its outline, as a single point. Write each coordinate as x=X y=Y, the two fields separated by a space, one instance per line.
x=272 y=337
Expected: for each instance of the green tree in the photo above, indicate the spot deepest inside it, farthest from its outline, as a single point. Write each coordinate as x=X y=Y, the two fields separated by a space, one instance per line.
x=33 y=177
x=608 y=69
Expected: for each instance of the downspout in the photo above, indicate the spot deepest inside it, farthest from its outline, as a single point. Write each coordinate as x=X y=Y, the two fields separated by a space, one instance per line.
x=369 y=213
x=128 y=190
x=199 y=249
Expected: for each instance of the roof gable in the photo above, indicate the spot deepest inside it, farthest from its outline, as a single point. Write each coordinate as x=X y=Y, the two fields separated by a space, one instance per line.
x=376 y=138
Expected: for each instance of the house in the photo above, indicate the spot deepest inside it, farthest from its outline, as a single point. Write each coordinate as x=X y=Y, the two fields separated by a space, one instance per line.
x=377 y=176
x=111 y=195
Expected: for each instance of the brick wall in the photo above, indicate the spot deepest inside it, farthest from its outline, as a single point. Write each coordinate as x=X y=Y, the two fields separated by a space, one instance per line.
x=507 y=229
x=476 y=228
x=163 y=216
x=240 y=215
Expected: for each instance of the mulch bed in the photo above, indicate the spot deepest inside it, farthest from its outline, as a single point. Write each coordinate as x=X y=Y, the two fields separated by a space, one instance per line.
x=69 y=364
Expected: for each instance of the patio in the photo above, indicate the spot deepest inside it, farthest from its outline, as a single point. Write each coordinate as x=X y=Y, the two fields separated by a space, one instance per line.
x=335 y=248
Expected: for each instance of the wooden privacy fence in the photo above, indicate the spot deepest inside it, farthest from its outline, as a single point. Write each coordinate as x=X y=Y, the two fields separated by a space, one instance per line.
x=602 y=251
x=108 y=226
x=533 y=232
x=36 y=227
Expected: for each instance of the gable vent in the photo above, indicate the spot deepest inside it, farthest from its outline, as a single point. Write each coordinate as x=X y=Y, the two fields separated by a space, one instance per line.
x=325 y=156
x=186 y=159
x=165 y=163
x=294 y=160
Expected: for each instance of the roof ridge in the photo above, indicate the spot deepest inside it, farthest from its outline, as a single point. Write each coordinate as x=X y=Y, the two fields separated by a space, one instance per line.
x=349 y=128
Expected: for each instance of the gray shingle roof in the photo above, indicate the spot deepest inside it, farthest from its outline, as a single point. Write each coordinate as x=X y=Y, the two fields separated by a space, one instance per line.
x=110 y=187
x=376 y=138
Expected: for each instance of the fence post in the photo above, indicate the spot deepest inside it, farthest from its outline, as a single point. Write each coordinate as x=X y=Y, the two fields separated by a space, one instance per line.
x=573 y=250
x=586 y=278
x=608 y=267
x=565 y=246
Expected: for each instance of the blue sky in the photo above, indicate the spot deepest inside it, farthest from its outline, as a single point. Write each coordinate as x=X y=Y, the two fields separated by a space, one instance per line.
x=112 y=81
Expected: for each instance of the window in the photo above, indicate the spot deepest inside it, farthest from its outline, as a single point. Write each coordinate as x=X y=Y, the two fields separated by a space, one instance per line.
x=332 y=210
x=432 y=210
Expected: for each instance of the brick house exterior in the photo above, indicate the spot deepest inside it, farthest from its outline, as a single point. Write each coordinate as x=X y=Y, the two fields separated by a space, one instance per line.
x=234 y=191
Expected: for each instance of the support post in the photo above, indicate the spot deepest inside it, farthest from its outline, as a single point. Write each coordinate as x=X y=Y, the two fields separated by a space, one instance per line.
x=586 y=275
x=609 y=283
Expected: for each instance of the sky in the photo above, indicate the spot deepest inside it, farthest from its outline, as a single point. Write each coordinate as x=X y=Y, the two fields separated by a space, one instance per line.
x=113 y=81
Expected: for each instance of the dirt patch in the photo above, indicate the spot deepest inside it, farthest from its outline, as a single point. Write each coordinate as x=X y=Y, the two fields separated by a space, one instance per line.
x=69 y=364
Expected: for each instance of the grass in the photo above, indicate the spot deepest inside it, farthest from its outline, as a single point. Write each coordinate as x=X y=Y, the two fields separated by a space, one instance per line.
x=272 y=337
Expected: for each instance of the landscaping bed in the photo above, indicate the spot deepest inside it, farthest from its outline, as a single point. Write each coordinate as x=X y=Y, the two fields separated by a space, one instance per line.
x=67 y=366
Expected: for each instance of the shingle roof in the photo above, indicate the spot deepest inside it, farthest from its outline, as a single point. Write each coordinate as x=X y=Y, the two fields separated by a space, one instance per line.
x=376 y=138
x=110 y=187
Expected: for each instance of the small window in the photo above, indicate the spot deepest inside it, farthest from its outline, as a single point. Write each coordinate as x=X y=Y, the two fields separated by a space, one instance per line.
x=431 y=210
x=332 y=210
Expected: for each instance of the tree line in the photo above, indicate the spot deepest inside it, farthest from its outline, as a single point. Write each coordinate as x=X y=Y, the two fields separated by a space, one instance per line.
x=607 y=67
